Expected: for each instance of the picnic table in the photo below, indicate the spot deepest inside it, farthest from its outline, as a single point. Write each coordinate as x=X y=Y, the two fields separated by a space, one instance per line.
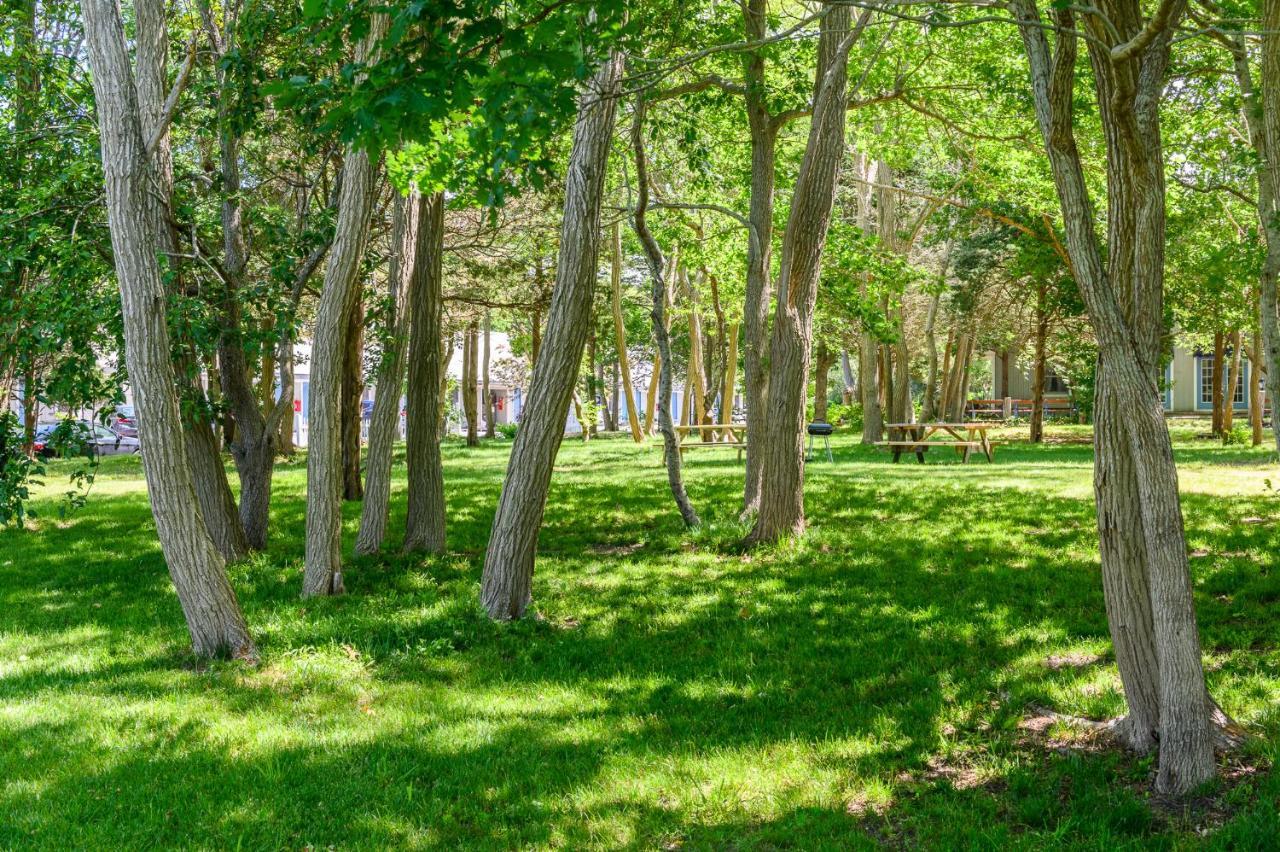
x=919 y=437
x=724 y=435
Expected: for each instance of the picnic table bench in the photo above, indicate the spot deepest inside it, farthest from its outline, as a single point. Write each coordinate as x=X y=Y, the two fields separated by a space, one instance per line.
x=732 y=436
x=917 y=438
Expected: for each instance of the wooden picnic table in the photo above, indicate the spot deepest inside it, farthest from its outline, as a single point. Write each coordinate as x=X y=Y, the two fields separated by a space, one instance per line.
x=919 y=437
x=727 y=435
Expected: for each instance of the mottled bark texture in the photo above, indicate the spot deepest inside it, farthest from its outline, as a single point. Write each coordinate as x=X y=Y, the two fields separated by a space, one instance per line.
x=468 y=386
x=424 y=520
x=352 y=402
x=323 y=568
x=486 y=395
x=1146 y=576
x=386 y=404
x=508 y=564
x=661 y=334
x=620 y=332
x=781 y=441
x=199 y=577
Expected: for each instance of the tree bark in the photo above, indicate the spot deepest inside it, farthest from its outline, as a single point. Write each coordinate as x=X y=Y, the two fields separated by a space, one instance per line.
x=485 y=394
x=470 y=347
x=208 y=602
x=824 y=360
x=730 y=375
x=425 y=516
x=1136 y=485
x=1233 y=381
x=781 y=511
x=1219 y=392
x=508 y=567
x=620 y=332
x=405 y=220
x=849 y=391
x=661 y=333
x=1037 y=389
x=929 y=402
x=352 y=404
x=323 y=569
x=1255 y=391
x=755 y=316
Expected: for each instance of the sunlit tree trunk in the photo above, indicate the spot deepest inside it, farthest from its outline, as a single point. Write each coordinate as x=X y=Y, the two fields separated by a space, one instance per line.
x=486 y=396
x=352 y=402
x=1146 y=576
x=620 y=332
x=1219 y=392
x=1233 y=381
x=386 y=403
x=209 y=604
x=1038 y=378
x=470 y=345
x=323 y=563
x=506 y=586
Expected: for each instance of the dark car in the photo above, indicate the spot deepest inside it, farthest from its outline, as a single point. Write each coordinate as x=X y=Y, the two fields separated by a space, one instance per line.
x=124 y=421
x=51 y=441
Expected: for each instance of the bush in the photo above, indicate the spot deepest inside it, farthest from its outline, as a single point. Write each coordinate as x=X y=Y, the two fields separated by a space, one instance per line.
x=1236 y=436
x=507 y=430
x=845 y=415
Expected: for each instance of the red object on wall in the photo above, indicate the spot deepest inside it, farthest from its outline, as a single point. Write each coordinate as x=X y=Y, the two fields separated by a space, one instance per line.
x=297 y=406
x=498 y=403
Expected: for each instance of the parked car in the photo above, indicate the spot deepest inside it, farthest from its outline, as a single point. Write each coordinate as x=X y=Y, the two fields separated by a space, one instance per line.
x=124 y=421
x=101 y=440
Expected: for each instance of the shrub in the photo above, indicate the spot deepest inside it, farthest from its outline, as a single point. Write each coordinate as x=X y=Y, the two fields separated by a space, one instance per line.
x=508 y=430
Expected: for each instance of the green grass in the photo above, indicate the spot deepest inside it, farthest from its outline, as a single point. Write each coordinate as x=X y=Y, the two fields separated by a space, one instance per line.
x=865 y=686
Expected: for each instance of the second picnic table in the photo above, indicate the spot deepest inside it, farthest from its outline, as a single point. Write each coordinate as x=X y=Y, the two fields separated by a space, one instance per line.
x=919 y=437
x=728 y=435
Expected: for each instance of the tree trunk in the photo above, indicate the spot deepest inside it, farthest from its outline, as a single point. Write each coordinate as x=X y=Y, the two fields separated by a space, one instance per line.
x=662 y=337
x=323 y=571
x=425 y=516
x=869 y=380
x=470 y=383
x=620 y=332
x=508 y=567
x=485 y=395
x=1219 y=392
x=1136 y=484
x=1037 y=381
x=824 y=360
x=730 y=375
x=929 y=400
x=755 y=315
x=352 y=402
x=651 y=393
x=1255 y=391
x=284 y=440
x=849 y=391
x=1233 y=381
x=781 y=511
x=208 y=602
x=386 y=402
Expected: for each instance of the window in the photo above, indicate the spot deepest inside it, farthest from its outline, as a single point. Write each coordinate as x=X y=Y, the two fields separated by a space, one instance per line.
x=1053 y=384
x=1205 y=382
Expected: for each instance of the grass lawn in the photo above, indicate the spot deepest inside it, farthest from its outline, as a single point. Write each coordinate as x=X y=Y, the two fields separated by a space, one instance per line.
x=878 y=683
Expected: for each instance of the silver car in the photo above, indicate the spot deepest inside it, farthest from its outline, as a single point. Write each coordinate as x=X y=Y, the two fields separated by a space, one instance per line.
x=102 y=440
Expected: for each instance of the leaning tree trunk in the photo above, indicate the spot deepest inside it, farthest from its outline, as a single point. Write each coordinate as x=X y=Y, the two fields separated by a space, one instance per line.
x=386 y=402
x=323 y=571
x=1269 y=202
x=620 y=332
x=781 y=511
x=508 y=564
x=661 y=333
x=209 y=475
x=469 y=346
x=1141 y=532
x=1233 y=380
x=424 y=520
x=199 y=576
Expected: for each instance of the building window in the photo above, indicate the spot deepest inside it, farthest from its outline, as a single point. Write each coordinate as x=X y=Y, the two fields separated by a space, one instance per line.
x=1204 y=379
x=1053 y=384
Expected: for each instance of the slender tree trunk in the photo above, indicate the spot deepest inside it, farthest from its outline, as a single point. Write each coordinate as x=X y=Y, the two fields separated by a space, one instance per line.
x=1037 y=389
x=755 y=316
x=470 y=383
x=352 y=402
x=620 y=332
x=849 y=392
x=661 y=333
x=284 y=440
x=1255 y=391
x=208 y=602
x=781 y=511
x=651 y=393
x=485 y=395
x=929 y=401
x=869 y=380
x=425 y=516
x=506 y=587
x=1233 y=381
x=323 y=569
x=730 y=375
x=824 y=360
x=386 y=403
x=1219 y=392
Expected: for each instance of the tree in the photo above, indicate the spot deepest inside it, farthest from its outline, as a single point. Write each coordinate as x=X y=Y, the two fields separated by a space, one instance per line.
x=212 y=612
x=323 y=564
x=386 y=404
x=1146 y=578
x=508 y=566
x=782 y=489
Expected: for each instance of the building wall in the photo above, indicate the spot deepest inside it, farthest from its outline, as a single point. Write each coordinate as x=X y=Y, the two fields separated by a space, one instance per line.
x=1189 y=378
